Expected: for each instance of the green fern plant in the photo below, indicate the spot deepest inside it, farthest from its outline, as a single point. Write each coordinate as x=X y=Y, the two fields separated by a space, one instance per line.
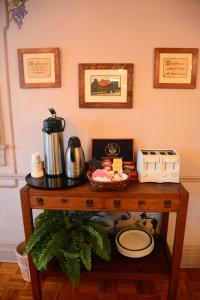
x=72 y=237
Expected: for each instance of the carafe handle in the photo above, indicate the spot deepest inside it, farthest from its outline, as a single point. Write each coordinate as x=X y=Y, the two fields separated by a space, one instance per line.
x=72 y=154
x=64 y=123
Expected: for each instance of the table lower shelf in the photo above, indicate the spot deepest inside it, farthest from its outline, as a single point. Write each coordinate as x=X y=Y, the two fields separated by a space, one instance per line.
x=153 y=266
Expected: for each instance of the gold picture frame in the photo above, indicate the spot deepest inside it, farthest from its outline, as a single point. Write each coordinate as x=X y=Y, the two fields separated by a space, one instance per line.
x=105 y=85
x=175 y=68
x=39 y=67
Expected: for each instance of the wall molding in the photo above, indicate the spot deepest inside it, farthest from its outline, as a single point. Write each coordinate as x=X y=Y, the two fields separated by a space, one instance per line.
x=12 y=176
x=191 y=257
x=3 y=155
x=11 y=180
x=7 y=253
x=190 y=178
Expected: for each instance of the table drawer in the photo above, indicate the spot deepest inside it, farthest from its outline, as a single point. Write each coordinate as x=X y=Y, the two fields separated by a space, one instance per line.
x=70 y=203
x=117 y=204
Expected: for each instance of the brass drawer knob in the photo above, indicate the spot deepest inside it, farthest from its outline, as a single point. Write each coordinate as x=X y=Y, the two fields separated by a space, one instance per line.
x=40 y=201
x=167 y=203
x=64 y=200
x=141 y=202
x=117 y=203
x=89 y=203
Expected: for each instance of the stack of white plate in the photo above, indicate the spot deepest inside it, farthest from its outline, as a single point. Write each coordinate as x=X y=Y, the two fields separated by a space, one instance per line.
x=134 y=242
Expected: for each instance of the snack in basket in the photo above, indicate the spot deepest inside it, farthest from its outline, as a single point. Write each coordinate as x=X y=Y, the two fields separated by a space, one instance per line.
x=107 y=163
x=108 y=176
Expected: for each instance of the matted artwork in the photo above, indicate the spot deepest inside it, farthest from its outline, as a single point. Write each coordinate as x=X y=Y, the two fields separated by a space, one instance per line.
x=39 y=67
x=105 y=85
x=175 y=68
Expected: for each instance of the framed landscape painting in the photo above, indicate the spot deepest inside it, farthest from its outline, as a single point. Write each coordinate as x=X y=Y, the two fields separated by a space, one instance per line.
x=105 y=85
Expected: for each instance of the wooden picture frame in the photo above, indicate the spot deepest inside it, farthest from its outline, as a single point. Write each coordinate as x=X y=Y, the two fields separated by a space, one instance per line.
x=105 y=85
x=39 y=67
x=175 y=68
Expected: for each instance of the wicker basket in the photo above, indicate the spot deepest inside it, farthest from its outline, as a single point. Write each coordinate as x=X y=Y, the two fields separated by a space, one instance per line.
x=107 y=185
x=23 y=262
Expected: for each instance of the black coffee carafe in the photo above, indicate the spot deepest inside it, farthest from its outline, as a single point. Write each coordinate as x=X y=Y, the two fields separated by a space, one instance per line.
x=74 y=158
x=53 y=127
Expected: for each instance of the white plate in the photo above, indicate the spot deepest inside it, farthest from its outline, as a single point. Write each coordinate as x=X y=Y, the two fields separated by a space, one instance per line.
x=134 y=242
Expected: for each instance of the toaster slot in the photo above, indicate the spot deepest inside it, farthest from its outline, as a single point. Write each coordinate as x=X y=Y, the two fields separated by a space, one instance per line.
x=170 y=153
x=144 y=152
x=167 y=152
x=152 y=152
x=162 y=153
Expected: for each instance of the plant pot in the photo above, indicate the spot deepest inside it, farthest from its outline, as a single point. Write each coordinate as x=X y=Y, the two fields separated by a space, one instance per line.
x=22 y=261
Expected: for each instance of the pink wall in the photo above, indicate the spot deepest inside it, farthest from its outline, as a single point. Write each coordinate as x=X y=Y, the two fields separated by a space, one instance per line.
x=100 y=31
x=109 y=31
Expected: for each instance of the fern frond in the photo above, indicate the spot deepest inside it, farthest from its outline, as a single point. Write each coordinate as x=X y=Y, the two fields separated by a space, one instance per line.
x=37 y=235
x=94 y=233
x=71 y=267
x=86 y=258
x=41 y=218
x=66 y=221
x=105 y=252
x=48 y=252
x=70 y=255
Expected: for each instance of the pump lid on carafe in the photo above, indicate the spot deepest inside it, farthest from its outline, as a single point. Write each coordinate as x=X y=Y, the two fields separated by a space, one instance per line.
x=74 y=142
x=53 y=124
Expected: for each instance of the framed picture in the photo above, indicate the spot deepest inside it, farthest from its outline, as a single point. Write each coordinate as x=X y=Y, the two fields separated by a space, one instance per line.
x=39 y=67
x=105 y=85
x=175 y=68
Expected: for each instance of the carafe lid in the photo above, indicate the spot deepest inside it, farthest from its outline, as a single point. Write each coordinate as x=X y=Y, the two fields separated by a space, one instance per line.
x=53 y=124
x=74 y=142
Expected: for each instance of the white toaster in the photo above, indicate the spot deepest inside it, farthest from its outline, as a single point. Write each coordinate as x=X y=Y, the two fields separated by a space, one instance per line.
x=158 y=166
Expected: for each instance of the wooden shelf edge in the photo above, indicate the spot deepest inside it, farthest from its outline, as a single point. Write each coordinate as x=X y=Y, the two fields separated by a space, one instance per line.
x=154 y=266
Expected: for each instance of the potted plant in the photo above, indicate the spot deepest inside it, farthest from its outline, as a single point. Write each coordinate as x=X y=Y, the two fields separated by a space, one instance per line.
x=72 y=237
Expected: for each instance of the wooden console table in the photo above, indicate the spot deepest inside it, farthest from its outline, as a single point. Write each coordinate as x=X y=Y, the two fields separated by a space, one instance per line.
x=138 y=197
